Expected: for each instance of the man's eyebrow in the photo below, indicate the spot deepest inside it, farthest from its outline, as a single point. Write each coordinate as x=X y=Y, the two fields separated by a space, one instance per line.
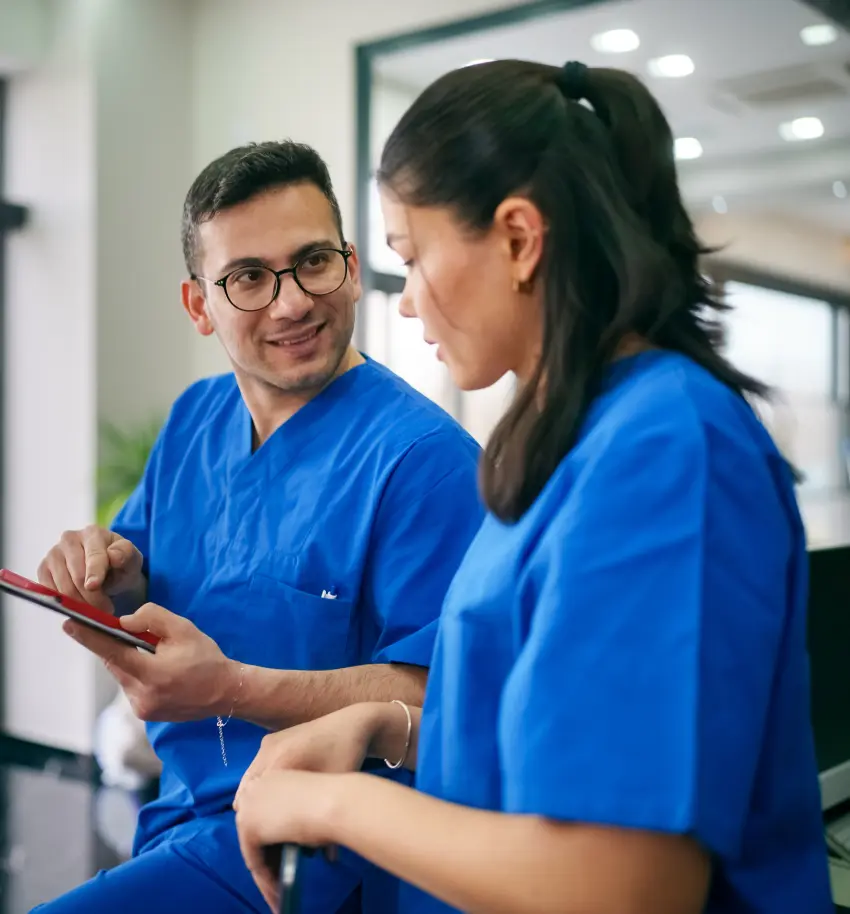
x=320 y=245
x=243 y=262
x=306 y=248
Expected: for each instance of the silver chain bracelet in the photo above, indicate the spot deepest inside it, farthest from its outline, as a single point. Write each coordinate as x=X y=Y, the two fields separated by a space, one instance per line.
x=221 y=724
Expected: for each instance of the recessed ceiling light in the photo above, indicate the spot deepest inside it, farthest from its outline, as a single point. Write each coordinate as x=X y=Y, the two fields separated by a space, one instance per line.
x=673 y=66
x=839 y=188
x=816 y=35
x=474 y=63
x=718 y=204
x=615 y=41
x=802 y=128
x=688 y=147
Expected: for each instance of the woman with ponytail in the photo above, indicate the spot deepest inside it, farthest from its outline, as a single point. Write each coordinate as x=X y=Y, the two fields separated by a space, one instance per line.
x=617 y=717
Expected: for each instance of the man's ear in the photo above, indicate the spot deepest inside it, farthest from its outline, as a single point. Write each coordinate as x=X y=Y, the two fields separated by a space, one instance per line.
x=354 y=272
x=195 y=303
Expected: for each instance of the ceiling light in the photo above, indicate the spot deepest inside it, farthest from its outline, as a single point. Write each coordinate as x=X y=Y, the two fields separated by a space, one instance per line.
x=617 y=41
x=816 y=35
x=802 y=128
x=839 y=188
x=474 y=63
x=688 y=147
x=718 y=204
x=673 y=66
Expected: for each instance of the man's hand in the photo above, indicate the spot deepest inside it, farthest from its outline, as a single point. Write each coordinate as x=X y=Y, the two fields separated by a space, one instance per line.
x=188 y=678
x=92 y=565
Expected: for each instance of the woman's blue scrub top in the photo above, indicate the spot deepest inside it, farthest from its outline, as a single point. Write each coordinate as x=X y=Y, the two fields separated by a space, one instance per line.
x=632 y=651
x=367 y=495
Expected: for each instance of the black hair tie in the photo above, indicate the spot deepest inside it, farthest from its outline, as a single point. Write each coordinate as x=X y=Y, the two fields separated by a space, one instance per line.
x=572 y=80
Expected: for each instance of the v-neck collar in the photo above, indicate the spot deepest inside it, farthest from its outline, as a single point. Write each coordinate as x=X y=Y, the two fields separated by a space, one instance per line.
x=292 y=431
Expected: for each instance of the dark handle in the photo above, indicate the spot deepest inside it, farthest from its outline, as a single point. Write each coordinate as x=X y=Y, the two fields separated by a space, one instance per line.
x=286 y=860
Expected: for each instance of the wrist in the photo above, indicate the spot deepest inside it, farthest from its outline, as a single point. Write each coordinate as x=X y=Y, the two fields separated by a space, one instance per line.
x=387 y=731
x=339 y=807
x=233 y=681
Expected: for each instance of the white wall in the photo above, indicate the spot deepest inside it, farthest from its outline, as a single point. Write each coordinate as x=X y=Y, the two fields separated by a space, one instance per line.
x=143 y=135
x=24 y=30
x=99 y=140
x=50 y=369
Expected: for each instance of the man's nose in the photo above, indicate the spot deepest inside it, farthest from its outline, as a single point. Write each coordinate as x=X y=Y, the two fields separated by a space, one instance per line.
x=292 y=302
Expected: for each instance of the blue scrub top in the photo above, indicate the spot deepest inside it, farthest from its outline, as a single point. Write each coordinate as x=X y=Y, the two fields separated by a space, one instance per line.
x=632 y=651
x=368 y=493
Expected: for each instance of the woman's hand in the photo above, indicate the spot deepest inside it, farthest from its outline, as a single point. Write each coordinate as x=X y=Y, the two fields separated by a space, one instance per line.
x=336 y=743
x=284 y=807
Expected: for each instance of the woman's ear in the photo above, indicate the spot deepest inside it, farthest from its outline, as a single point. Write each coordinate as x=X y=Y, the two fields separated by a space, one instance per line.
x=523 y=229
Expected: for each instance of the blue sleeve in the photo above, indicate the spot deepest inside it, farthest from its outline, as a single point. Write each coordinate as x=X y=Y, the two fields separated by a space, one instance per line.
x=134 y=520
x=429 y=513
x=654 y=609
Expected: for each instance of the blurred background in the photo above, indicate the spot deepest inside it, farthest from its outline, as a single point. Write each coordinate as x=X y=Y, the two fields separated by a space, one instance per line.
x=108 y=109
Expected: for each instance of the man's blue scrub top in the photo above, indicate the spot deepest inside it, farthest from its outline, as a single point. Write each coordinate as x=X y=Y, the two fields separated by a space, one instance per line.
x=632 y=651
x=367 y=494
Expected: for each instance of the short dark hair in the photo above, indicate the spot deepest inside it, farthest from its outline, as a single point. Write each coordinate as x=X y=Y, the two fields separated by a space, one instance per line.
x=245 y=172
x=620 y=256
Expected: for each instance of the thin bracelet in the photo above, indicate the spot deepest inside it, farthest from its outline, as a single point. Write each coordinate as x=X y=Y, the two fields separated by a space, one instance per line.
x=403 y=759
x=221 y=724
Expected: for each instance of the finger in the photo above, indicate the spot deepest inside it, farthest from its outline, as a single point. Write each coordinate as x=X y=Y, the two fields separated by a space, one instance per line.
x=123 y=555
x=121 y=658
x=75 y=560
x=267 y=883
x=154 y=619
x=62 y=580
x=44 y=575
x=255 y=859
x=97 y=561
x=239 y=790
x=254 y=771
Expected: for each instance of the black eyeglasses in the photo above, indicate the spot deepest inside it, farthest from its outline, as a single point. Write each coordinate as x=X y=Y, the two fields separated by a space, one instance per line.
x=252 y=288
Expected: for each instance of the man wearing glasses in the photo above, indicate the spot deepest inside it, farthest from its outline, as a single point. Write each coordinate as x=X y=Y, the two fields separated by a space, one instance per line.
x=292 y=539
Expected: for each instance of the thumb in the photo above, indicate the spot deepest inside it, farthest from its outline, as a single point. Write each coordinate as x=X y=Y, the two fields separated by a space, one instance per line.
x=154 y=619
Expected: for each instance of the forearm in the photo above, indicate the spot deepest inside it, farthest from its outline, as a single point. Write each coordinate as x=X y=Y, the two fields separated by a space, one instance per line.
x=277 y=699
x=474 y=860
x=486 y=862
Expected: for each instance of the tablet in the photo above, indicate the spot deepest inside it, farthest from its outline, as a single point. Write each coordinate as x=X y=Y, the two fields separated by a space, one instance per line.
x=81 y=612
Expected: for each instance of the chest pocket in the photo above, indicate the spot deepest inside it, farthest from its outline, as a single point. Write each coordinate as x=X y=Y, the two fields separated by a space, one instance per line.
x=296 y=630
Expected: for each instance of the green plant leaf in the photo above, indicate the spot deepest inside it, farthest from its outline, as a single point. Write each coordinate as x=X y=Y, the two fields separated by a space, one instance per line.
x=124 y=455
